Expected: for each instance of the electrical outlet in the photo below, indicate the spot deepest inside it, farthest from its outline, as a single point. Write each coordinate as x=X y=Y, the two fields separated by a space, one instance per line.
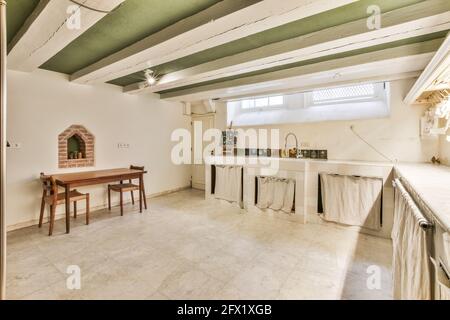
x=15 y=145
x=123 y=145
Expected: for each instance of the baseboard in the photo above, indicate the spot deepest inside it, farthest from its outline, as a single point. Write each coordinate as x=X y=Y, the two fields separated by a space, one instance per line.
x=198 y=186
x=59 y=216
x=317 y=219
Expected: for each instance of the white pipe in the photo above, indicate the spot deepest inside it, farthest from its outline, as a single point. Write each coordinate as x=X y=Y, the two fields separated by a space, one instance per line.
x=2 y=148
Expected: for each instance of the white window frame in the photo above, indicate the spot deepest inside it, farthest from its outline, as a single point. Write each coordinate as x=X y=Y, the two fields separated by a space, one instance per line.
x=263 y=108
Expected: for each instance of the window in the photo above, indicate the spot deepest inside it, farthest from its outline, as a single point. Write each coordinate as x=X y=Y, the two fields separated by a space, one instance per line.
x=262 y=102
x=248 y=104
x=349 y=94
x=349 y=102
x=276 y=101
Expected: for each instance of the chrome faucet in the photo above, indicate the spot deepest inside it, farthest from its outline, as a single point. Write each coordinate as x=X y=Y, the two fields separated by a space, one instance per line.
x=286 y=141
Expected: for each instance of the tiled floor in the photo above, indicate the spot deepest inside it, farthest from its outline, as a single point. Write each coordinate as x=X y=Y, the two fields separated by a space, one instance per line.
x=184 y=247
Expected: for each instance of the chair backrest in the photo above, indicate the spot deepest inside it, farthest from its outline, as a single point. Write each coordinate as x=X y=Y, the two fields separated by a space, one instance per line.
x=49 y=185
x=136 y=168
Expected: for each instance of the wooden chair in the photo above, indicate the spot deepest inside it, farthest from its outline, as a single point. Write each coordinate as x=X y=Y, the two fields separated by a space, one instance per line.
x=51 y=197
x=125 y=187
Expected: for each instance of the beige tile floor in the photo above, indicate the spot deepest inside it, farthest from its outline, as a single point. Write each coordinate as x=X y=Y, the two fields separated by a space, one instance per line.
x=184 y=247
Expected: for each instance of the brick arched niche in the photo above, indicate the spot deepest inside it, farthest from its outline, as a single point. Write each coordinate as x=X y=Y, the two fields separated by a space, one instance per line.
x=76 y=148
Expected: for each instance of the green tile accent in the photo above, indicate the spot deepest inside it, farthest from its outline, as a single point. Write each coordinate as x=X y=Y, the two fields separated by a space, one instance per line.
x=17 y=12
x=345 y=14
x=437 y=35
x=131 y=22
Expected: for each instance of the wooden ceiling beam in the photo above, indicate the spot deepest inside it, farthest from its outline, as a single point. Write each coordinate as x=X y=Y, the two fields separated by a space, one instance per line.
x=378 y=64
x=372 y=76
x=412 y=21
x=51 y=27
x=217 y=25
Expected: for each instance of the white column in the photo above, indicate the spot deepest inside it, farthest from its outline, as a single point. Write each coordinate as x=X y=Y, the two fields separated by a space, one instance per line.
x=2 y=147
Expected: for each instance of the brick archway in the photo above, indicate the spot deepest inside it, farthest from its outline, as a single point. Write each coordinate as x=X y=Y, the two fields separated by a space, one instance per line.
x=67 y=159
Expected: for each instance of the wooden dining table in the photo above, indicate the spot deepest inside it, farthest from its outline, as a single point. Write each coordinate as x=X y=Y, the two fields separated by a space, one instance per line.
x=89 y=178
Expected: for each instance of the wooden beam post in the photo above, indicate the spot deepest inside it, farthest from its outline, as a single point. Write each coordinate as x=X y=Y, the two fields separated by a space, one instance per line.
x=3 y=102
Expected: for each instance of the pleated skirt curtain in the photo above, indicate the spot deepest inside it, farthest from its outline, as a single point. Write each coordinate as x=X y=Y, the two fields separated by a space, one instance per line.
x=350 y=200
x=411 y=264
x=228 y=183
x=276 y=194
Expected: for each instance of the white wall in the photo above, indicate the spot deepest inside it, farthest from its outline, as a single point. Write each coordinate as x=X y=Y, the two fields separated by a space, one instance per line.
x=397 y=136
x=43 y=104
x=220 y=115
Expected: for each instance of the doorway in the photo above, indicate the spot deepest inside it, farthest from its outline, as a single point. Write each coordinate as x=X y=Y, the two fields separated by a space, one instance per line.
x=198 y=170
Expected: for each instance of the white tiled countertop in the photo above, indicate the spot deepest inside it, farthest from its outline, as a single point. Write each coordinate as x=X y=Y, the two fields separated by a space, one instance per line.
x=248 y=159
x=432 y=184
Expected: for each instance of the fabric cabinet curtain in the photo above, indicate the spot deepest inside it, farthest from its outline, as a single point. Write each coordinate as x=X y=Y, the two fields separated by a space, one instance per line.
x=411 y=266
x=275 y=193
x=352 y=200
x=228 y=183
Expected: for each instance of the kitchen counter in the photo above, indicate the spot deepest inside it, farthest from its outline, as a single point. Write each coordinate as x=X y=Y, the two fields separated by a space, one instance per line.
x=305 y=173
x=432 y=184
x=252 y=160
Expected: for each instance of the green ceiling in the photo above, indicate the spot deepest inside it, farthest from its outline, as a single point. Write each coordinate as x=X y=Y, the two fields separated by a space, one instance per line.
x=421 y=39
x=137 y=19
x=131 y=22
x=17 y=13
x=348 y=13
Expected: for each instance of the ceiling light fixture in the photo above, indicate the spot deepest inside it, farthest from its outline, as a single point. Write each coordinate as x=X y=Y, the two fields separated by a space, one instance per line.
x=150 y=78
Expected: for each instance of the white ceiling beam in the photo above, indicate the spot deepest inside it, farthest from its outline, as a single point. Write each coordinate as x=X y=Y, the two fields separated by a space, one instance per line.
x=51 y=27
x=412 y=21
x=437 y=66
x=352 y=75
x=371 y=75
x=404 y=59
x=188 y=36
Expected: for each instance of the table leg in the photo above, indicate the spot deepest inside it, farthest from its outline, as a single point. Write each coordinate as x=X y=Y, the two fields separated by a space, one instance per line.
x=67 y=208
x=141 y=184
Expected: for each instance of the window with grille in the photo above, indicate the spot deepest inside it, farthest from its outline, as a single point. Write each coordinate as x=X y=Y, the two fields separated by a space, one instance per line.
x=350 y=102
x=348 y=94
